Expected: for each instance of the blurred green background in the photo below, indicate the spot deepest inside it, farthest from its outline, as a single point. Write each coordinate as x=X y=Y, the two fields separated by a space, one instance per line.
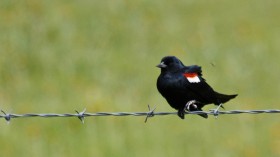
x=61 y=56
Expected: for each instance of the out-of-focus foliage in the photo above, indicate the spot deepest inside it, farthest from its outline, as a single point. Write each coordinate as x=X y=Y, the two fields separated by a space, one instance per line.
x=61 y=56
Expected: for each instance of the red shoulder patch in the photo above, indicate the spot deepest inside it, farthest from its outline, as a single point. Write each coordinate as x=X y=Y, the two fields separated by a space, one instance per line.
x=192 y=77
x=190 y=74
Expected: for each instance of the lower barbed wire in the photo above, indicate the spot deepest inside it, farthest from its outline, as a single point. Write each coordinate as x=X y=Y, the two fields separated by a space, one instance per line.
x=134 y=113
x=151 y=113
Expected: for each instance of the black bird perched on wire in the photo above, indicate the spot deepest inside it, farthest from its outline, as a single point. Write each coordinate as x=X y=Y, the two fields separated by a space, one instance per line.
x=184 y=88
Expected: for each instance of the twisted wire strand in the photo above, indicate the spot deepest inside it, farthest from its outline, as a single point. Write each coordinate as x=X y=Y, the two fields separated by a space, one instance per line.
x=150 y=113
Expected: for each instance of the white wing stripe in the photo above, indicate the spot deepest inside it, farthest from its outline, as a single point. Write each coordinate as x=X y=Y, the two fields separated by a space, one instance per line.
x=194 y=79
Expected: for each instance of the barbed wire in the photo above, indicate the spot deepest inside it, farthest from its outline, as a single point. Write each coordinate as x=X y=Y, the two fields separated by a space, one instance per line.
x=150 y=113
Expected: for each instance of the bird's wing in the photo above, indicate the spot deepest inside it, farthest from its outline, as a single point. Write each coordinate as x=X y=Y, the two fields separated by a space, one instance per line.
x=193 y=73
x=196 y=84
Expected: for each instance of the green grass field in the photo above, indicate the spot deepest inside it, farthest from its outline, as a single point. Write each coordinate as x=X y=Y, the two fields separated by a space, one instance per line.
x=61 y=56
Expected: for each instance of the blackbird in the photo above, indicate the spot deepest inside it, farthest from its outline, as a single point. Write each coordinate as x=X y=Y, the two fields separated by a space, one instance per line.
x=184 y=88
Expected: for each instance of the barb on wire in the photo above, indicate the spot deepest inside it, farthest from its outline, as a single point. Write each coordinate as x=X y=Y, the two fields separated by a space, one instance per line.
x=7 y=116
x=81 y=116
x=150 y=113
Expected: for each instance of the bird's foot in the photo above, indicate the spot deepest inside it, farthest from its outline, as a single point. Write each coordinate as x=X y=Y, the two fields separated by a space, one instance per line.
x=190 y=104
x=181 y=113
x=216 y=111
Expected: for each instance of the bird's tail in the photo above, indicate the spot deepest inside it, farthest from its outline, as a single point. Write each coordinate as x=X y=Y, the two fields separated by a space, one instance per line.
x=223 y=98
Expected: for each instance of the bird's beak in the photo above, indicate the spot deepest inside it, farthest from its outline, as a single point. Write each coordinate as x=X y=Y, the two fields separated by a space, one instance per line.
x=161 y=65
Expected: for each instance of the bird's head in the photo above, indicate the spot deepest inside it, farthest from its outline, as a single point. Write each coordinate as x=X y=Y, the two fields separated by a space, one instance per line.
x=170 y=63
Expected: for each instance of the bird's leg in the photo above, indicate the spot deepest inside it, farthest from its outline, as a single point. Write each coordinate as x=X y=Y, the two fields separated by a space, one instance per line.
x=181 y=113
x=189 y=104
